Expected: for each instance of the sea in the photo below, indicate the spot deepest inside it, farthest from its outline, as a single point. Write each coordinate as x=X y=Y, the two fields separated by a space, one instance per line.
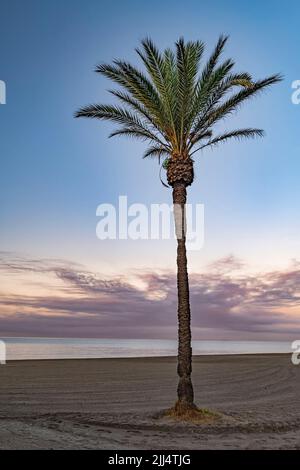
x=65 y=348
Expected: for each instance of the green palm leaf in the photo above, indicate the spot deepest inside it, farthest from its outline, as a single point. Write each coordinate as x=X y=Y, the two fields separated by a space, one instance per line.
x=236 y=134
x=175 y=103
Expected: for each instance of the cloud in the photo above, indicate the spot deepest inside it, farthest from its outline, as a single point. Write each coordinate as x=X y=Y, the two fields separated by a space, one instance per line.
x=226 y=302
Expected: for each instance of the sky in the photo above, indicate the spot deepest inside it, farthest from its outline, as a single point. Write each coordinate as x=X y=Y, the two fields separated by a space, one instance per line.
x=57 y=278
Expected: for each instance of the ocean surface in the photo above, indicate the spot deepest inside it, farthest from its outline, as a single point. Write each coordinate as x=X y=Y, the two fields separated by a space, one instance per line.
x=53 y=348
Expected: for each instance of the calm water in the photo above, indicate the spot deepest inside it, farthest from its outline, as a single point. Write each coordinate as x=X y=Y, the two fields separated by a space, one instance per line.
x=50 y=348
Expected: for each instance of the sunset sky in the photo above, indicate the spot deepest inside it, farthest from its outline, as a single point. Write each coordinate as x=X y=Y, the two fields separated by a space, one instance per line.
x=56 y=277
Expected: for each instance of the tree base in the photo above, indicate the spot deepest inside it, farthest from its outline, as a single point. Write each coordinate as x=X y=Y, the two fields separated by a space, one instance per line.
x=191 y=413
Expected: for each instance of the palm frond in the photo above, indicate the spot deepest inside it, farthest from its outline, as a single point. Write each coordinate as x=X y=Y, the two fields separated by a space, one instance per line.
x=155 y=66
x=213 y=60
x=120 y=116
x=137 y=106
x=236 y=134
x=234 y=102
x=156 y=151
x=137 y=84
x=188 y=57
x=206 y=90
x=136 y=132
x=214 y=95
x=205 y=134
x=109 y=112
x=171 y=83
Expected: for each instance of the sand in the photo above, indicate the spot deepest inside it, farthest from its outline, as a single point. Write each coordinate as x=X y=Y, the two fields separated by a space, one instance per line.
x=113 y=403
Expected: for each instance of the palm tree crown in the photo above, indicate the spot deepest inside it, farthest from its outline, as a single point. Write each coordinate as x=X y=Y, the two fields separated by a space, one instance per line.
x=175 y=105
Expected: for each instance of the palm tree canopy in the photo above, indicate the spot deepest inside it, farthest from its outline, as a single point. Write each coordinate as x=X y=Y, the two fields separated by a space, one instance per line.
x=175 y=103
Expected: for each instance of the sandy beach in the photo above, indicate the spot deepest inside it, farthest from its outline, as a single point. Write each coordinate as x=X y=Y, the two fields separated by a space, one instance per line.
x=113 y=403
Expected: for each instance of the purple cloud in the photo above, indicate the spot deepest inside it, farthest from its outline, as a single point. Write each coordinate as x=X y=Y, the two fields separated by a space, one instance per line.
x=226 y=302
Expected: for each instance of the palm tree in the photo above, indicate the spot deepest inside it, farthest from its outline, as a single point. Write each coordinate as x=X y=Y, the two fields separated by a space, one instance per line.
x=174 y=106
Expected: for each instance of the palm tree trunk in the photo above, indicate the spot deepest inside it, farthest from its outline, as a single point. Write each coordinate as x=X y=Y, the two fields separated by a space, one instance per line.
x=184 y=368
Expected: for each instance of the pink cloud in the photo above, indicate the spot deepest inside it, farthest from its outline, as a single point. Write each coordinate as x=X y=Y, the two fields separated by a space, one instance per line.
x=223 y=297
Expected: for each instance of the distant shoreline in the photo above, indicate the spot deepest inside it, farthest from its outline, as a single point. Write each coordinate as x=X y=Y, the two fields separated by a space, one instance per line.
x=58 y=348
x=147 y=357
